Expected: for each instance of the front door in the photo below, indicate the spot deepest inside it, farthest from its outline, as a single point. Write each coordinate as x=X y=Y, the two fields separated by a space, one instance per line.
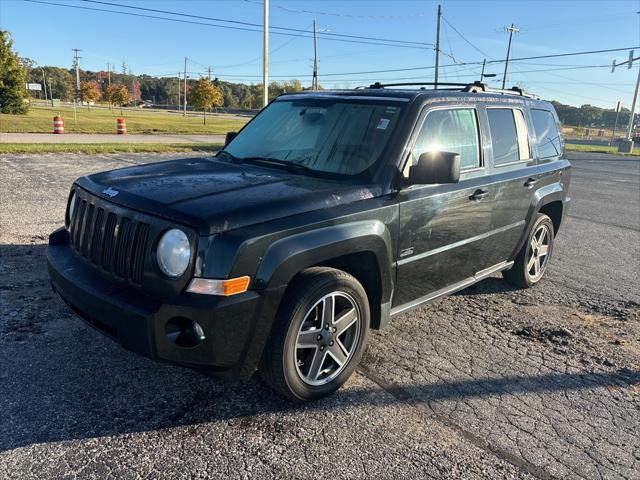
x=441 y=225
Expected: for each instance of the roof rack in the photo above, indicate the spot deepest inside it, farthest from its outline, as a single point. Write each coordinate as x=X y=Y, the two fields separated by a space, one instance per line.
x=431 y=84
x=475 y=87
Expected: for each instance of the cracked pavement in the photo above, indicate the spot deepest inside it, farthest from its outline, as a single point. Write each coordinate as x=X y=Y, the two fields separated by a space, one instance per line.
x=491 y=382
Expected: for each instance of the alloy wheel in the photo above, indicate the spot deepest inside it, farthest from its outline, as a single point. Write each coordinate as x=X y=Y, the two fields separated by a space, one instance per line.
x=327 y=338
x=539 y=249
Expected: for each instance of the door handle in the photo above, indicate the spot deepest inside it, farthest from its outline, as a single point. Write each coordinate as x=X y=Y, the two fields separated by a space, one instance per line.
x=479 y=194
x=531 y=181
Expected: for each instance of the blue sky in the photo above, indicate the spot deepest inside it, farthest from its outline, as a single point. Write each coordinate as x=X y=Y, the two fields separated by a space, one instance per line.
x=47 y=34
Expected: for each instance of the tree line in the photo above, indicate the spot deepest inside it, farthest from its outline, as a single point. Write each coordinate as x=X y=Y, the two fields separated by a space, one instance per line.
x=125 y=89
x=165 y=91
x=591 y=116
x=159 y=91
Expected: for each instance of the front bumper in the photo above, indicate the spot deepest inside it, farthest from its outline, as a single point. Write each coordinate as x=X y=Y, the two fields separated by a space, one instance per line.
x=235 y=328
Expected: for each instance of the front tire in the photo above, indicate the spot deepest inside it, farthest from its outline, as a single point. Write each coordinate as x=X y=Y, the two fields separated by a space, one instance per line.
x=319 y=335
x=533 y=258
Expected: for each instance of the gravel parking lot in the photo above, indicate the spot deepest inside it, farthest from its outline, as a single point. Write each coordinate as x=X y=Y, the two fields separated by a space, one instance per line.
x=489 y=383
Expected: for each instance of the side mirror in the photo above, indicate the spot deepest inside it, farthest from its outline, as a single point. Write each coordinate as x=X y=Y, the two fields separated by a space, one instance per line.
x=228 y=137
x=435 y=167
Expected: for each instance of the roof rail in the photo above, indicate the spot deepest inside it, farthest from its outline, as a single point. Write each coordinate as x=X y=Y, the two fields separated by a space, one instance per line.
x=478 y=87
x=407 y=84
x=475 y=87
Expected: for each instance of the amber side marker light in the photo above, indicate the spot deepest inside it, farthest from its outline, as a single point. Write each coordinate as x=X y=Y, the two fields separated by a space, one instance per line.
x=209 y=286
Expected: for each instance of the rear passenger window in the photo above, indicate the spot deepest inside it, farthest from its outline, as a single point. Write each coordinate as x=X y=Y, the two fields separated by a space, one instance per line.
x=549 y=142
x=509 y=137
x=453 y=130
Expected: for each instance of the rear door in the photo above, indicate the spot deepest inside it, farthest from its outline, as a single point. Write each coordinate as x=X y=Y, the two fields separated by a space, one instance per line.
x=513 y=177
x=440 y=225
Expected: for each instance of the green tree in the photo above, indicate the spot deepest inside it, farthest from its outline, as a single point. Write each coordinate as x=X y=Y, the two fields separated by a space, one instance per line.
x=13 y=78
x=118 y=95
x=204 y=94
x=90 y=92
x=59 y=82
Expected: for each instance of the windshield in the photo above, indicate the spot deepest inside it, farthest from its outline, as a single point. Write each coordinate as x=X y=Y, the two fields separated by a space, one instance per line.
x=327 y=135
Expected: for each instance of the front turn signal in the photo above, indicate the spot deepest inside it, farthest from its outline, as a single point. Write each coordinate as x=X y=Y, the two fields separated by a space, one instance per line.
x=209 y=286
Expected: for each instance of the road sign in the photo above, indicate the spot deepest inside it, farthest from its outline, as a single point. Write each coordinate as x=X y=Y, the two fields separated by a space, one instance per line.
x=630 y=59
x=618 y=105
x=34 y=86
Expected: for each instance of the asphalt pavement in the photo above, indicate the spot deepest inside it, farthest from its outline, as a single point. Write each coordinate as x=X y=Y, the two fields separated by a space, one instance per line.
x=491 y=382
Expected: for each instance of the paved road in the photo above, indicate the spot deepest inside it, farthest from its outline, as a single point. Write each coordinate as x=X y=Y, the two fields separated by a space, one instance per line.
x=489 y=383
x=106 y=138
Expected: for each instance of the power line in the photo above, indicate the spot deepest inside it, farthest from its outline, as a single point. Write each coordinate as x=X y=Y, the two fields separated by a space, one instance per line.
x=306 y=75
x=349 y=41
x=408 y=69
x=193 y=22
x=346 y=15
x=465 y=39
x=556 y=55
x=469 y=66
x=239 y=22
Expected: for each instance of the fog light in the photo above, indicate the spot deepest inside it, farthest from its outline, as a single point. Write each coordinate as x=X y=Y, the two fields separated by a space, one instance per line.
x=184 y=332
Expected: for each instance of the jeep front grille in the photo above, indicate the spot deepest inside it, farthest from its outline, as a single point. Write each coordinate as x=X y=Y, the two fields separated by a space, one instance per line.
x=111 y=241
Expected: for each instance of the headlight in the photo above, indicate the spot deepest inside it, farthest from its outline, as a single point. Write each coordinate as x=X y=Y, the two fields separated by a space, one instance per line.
x=72 y=208
x=173 y=253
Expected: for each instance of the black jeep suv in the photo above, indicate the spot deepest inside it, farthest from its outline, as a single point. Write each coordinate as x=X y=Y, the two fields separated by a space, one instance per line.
x=327 y=215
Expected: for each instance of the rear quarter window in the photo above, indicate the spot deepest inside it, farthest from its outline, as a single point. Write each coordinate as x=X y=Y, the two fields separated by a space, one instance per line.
x=548 y=137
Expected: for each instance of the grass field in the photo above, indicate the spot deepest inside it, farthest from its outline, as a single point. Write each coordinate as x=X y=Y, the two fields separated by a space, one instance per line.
x=101 y=120
x=598 y=149
x=98 y=148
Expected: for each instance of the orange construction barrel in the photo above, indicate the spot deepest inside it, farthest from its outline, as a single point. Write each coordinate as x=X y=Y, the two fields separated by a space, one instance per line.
x=58 y=124
x=122 y=126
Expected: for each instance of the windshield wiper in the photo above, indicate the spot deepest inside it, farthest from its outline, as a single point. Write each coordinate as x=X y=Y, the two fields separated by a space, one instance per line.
x=292 y=167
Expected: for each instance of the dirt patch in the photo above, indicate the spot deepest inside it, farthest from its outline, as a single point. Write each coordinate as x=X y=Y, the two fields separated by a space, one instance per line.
x=607 y=340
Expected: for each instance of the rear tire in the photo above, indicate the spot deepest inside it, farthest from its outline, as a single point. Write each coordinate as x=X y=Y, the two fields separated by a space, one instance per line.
x=531 y=263
x=319 y=335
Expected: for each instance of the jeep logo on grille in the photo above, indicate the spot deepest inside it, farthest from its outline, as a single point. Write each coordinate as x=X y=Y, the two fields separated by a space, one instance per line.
x=110 y=192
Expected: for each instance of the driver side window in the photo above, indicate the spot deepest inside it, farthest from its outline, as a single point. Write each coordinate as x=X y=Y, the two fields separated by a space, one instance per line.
x=450 y=130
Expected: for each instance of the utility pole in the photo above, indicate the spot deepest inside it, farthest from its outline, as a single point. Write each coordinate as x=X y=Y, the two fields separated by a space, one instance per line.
x=485 y=75
x=615 y=124
x=44 y=80
x=512 y=29
x=626 y=146
x=314 y=82
x=265 y=55
x=435 y=81
x=184 y=113
x=76 y=61
x=109 y=72
x=209 y=72
x=178 y=90
x=133 y=87
x=633 y=108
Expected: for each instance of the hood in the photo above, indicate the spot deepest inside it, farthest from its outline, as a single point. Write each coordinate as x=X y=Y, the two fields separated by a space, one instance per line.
x=215 y=196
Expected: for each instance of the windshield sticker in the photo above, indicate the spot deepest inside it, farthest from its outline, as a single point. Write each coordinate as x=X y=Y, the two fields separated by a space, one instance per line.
x=383 y=124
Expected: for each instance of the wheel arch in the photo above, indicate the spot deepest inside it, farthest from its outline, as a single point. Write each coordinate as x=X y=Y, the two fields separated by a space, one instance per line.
x=362 y=249
x=549 y=200
x=554 y=210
